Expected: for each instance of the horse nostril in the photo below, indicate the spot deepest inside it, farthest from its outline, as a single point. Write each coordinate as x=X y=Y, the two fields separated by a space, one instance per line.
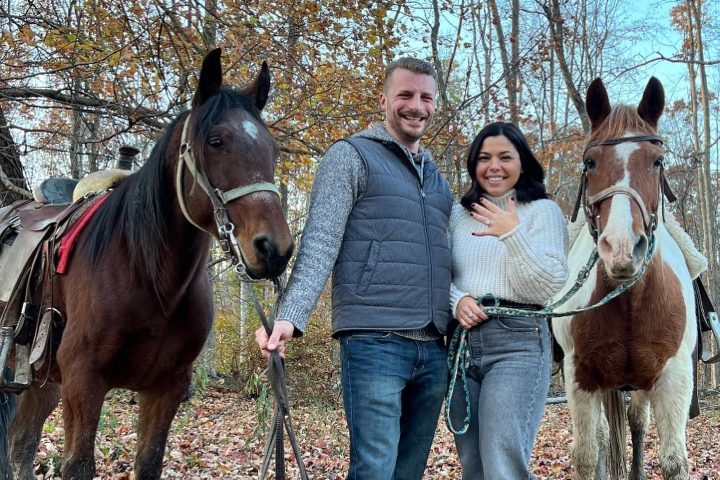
x=264 y=248
x=604 y=247
x=640 y=248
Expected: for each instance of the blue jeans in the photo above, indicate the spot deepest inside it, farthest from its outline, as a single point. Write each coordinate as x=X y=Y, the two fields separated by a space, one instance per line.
x=393 y=389
x=508 y=380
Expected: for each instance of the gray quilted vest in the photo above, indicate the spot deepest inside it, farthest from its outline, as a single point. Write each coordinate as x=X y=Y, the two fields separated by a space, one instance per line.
x=393 y=270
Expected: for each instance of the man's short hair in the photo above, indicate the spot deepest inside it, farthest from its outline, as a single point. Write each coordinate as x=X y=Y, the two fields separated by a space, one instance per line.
x=415 y=65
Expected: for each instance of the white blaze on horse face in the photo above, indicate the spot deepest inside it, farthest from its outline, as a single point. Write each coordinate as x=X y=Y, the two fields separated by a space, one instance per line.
x=617 y=241
x=267 y=198
x=250 y=129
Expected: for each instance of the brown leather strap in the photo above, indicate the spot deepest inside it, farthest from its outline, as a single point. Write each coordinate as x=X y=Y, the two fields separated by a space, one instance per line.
x=613 y=190
x=703 y=303
x=608 y=192
x=619 y=140
x=580 y=194
x=282 y=421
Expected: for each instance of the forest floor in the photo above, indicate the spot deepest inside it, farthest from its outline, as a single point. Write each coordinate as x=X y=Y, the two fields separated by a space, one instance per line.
x=216 y=434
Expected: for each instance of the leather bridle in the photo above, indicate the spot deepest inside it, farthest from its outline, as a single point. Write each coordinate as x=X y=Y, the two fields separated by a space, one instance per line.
x=219 y=199
x=590 y=203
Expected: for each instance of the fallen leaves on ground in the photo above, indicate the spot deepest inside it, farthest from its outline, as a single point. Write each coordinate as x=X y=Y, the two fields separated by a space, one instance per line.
x=215 y=435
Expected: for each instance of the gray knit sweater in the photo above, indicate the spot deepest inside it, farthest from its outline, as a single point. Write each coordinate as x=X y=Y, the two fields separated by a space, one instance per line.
x=526 y=265
x=340 y=180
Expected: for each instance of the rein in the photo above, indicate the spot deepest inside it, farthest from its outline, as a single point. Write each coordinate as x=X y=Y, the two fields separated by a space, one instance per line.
x=219 y=199
x=281 y=417
x=458 y=352
x=459 y=355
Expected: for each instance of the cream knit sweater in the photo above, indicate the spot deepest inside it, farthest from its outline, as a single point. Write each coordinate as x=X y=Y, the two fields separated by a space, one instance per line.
x=526 y=265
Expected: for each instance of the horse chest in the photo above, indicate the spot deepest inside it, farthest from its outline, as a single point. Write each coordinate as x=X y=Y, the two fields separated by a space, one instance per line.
x=628 y=342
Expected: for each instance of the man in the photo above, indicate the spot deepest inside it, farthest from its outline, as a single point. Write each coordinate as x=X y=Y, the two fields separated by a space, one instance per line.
x=378 y=218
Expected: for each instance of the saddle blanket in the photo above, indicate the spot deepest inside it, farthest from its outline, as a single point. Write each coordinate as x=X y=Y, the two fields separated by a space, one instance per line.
x=68 y=241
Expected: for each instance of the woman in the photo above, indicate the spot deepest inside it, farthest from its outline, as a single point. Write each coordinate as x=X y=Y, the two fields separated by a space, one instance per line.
x=509 y=241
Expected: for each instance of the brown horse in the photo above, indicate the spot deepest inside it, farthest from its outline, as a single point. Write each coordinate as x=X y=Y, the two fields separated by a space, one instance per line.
x=136 y=299
x=642 y=341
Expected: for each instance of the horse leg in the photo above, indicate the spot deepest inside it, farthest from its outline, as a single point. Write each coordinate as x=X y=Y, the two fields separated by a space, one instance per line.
x=670 y=399
x=8 y=405
x=639 y=418
x=34 y=406
x=585 y=410
x=157 y=410
x=603 y=439
x=82 y=404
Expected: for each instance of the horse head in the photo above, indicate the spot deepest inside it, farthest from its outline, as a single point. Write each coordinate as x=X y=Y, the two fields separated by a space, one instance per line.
x=623 y=180
x=225 y=173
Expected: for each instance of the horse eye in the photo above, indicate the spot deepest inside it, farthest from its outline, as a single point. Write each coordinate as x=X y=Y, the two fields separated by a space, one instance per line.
x=658 y=162
x=215 y=142
x=590 y=163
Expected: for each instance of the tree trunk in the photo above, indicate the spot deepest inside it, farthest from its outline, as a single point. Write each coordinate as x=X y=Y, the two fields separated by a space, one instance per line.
x=208 y=357
x=555 y=22
x=210 y=24
x=484 y=67
x=442 y=87
x=514 y=77
x=13 y=185
x=704 y=174
x=509 y=68
x=294 y=32
x=76 y=140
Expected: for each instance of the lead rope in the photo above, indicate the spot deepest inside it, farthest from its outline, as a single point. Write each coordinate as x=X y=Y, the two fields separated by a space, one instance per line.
x=282 y=420
x=459 y=354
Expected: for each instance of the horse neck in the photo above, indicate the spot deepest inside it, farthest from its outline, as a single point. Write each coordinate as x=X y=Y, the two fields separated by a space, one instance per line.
x=187 y=248
x=184 y=236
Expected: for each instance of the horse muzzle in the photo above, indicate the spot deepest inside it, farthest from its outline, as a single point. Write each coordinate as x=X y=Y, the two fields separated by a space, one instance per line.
x=271 y=256
x=622 y=256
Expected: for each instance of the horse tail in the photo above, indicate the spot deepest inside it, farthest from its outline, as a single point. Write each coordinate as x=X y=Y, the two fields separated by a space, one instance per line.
x=614 y=403
x=8 y=404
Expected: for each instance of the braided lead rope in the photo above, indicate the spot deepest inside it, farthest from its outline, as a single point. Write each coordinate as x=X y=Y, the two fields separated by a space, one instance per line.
x=458 y=360
x=549 y=311
x=459 y=355
x=458 y=352
x=282 y=421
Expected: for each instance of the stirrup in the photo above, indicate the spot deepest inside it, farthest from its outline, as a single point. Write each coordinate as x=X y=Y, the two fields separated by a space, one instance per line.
x=707 y=356
x=22 y=376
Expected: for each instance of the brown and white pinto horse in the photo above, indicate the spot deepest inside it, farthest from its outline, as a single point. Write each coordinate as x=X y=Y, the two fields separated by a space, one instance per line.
x=136 y=300
x=642 y=341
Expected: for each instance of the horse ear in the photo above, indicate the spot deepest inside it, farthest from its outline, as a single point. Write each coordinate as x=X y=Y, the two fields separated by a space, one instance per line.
x=259 y=89
x=210 y=78
x=653 y=102
x=597 y=103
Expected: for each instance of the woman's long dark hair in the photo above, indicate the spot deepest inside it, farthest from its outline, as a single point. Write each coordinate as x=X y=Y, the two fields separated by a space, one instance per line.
x=529 y=186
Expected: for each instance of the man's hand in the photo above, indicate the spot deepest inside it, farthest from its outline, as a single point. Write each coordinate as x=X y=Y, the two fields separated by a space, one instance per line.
x=283 y=330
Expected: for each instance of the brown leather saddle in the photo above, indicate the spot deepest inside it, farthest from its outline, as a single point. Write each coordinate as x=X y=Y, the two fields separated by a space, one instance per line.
x=29 y=234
